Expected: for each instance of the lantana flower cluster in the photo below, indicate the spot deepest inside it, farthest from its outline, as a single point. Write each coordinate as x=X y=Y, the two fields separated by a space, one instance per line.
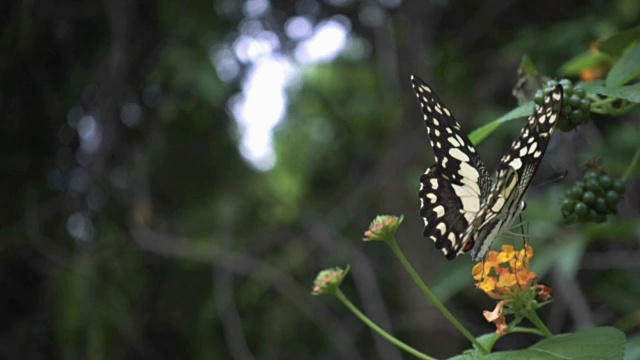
x=506 y=276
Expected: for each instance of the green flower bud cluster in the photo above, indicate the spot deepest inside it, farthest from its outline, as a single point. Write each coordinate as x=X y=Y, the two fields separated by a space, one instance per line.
x=592 y=198
x=575 y=109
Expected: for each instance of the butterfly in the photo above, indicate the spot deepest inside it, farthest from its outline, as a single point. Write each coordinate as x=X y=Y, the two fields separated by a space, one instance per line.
x=462 y=207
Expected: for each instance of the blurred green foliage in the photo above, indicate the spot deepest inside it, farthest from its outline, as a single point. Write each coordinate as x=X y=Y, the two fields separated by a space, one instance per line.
x=166 y=243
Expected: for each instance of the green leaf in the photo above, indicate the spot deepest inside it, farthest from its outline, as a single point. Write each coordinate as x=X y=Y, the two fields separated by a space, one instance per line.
x=630 y=92
x=583 y=61
x=465 y=356
x=616 y=44
x=625 y=69
x=480 y=133
x=596 y=343
x=527 y=67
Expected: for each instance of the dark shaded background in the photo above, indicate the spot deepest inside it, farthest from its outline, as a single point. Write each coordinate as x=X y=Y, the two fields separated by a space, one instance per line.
x=159 y=240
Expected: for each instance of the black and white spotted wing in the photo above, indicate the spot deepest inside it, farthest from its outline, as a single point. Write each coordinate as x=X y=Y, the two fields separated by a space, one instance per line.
x=462 y=209
x=452 y=189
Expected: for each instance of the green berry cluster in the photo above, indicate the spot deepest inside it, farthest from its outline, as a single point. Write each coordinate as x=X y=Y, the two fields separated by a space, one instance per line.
x=592 y=198
x=575 y=110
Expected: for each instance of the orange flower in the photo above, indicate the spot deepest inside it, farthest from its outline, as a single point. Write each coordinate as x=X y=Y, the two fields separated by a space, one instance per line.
x=599 y=70
x=488 y=284
x=544 y=292
x=525 y=277
x=593 y=73
x=506 y=276
x=506 y=254
x=482 y=269
x=478 y=271
x=506 y=282
x=497 y=318
x=504 y=273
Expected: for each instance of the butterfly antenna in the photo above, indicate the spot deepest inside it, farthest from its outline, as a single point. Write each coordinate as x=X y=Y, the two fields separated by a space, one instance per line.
x=552 y=180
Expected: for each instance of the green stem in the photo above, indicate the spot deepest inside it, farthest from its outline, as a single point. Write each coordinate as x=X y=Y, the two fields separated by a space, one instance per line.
x=598 y=108
x=379 y=330
x=526 y=330
x=489 y=343
x=434 y=300
x=606 y=101
x=599 y=111
x=533 y=317
x=633 y=164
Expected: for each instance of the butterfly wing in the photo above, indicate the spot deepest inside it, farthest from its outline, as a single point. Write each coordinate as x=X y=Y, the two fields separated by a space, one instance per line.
x=514 y=174
x=452 y=190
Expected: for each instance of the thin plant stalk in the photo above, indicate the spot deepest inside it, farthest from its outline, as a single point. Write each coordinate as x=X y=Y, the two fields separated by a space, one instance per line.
x=533 y=317
x=434 y=300
x=378 y=329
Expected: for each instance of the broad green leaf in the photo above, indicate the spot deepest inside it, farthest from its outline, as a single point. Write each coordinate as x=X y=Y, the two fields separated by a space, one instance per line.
x=583 y=61
x=596 y=343
x=465 y=356
x=625 y=69
x=480 y=133
x=629 y=92
x=486 y=340
x=616 y=44
x=600 y=343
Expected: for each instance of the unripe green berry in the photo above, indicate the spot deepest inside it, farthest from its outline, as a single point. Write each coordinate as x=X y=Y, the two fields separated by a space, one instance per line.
x=577 y=117
x=612 y=198
x=585 y=105
x=618 y=186
x=574 y=101
x=590 y=174
x=601 y=205
x=568 y=205
x=593 y=185
x=605 y=181
x=589 y=198
x=538 y=98
x=580 y=209
x=576 y=192
x=567 y=86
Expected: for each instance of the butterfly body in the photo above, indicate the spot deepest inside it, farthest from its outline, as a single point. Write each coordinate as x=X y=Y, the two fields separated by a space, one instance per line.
x=462 y=207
